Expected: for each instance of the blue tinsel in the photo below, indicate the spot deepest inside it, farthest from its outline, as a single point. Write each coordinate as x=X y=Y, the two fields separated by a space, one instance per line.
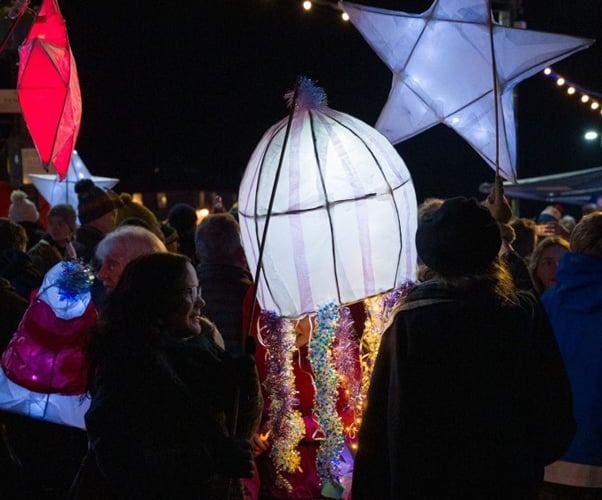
x=74 y=280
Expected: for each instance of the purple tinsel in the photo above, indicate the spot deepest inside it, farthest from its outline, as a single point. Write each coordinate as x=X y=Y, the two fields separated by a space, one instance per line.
x=284 y=420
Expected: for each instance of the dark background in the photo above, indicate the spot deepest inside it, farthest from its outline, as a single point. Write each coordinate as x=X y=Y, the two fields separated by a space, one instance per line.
x=177 y=96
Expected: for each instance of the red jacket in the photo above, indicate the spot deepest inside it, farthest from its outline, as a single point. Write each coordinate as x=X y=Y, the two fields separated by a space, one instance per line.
x=306 y=484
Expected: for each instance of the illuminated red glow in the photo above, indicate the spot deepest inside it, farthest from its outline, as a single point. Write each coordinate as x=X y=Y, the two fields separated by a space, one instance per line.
x=48 y=89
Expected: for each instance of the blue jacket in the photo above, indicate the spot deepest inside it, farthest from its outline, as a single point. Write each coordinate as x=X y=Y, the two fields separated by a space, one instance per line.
x=574 y=305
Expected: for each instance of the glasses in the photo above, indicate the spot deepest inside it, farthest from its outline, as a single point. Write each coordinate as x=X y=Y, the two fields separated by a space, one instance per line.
x=193 y=293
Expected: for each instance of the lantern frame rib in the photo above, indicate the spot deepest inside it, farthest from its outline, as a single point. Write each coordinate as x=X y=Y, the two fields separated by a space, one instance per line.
x=334 y=236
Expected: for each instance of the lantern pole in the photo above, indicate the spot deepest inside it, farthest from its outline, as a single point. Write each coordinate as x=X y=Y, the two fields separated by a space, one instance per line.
x=270 y=205
x=495 y=93
x=498 y=191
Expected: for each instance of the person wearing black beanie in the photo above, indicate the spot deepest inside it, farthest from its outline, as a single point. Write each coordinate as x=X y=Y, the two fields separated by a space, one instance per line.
x=469 y=397
x=182 y=217
x=96 y=212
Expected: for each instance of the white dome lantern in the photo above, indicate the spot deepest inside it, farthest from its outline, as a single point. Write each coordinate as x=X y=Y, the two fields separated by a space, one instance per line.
x=343 y=218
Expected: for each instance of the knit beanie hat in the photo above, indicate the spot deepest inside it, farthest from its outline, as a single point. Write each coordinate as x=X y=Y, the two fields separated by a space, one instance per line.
x=462 y=237
x=169 y=233
x=93 y=201
x=182 y=217
x=65 y=212
x=21 y=209
x=550 y=214
x=131 y=208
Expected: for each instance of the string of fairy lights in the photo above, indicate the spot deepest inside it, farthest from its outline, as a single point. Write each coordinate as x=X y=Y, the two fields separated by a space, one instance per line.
x=309 y=4
x=586 y=97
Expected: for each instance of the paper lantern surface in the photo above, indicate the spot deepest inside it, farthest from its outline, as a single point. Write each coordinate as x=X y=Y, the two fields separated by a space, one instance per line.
x=442 y=68
x=343 y=218
x=48 y=88
x=56 y=191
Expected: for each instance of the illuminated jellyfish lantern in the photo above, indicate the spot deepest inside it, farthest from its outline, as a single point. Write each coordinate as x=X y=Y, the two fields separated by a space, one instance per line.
x=340 y=206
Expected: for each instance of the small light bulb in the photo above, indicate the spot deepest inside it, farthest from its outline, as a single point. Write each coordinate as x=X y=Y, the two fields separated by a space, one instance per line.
x=560 y=82
x=547 y=71
x=345 y=16
x=584 y=98
x=307 y=5
x=570 y=90
x=594 y=105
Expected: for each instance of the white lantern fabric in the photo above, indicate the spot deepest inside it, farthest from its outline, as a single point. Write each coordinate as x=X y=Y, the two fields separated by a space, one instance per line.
x=343 y=220
x=443 y=71
x=56 y=191
x=57 y=408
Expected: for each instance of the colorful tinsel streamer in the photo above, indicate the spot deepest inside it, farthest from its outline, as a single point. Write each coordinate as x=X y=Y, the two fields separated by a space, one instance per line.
x=345 y=352
x=325 y=402
x=285 y=422
x=379 y=311
x=75 y=279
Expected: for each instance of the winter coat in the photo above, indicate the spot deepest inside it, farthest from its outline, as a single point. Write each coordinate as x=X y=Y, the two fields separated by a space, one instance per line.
x=468 y=399
x=16 y=267
x=157 y=423
x=574 y=305
x=224 y=288
x=46 y=253
x=12 y=308
x=88 y=238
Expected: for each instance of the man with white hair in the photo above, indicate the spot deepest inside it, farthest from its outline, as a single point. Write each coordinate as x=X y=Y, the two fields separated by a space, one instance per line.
x=120 y=247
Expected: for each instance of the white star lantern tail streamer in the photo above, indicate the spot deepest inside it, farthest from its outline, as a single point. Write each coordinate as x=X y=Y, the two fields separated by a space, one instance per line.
x=443 y=71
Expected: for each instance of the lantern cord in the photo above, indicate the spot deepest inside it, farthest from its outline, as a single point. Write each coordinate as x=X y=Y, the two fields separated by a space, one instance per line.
x=15 y=15
x=234 y=421
x=495 y=93
x=293 y=105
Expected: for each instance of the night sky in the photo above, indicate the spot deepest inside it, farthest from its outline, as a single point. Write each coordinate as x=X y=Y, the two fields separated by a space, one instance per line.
x=178 y=97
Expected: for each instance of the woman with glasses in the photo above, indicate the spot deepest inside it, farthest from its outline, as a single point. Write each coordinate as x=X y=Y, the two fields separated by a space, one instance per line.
x=160 y=387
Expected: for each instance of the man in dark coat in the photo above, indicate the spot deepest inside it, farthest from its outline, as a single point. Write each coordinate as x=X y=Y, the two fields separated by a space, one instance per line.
x=15 y=265
x=223 y=275
x=469 y=398
x=12 y=309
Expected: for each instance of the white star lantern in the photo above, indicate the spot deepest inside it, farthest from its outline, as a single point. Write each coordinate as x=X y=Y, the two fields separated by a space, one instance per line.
x=56 y=191
x=442 y=68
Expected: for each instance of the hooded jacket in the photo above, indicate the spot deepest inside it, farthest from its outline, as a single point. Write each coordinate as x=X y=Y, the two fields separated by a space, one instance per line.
x=574 y=305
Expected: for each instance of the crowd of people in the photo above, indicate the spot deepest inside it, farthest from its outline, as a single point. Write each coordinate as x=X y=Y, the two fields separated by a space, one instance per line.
x=487 y=383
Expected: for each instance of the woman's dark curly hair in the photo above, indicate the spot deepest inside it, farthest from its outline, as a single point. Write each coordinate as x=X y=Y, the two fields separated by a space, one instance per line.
x=139 y=308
